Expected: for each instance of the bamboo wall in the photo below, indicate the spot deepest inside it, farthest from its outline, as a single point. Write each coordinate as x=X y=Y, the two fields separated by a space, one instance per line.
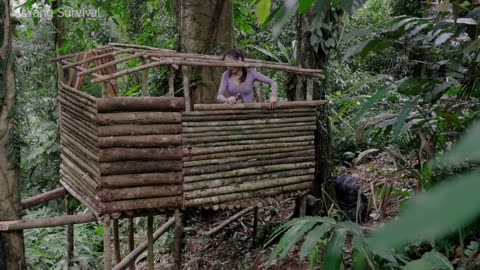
x=232 y=155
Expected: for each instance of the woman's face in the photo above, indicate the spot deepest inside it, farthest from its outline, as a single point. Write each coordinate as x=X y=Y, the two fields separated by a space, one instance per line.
x=230 y=59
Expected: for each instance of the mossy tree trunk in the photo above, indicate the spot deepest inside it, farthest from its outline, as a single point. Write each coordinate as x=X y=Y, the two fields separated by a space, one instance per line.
x=205 y=27
x=11 y=243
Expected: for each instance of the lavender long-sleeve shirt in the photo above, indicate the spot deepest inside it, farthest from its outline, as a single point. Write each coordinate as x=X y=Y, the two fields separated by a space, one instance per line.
x=230 y=87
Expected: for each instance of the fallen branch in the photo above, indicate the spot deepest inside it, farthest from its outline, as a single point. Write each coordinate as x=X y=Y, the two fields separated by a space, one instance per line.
x=22 y=224
x=228 y=221
x=42 y=198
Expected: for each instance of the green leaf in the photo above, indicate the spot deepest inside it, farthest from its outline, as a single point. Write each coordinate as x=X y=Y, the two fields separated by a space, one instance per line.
x=286 y=11
x=402 y=117
x=467 y=149
x=365 y=47
x=430 y=260
x=312 y=239
x=262 y=10
x=267 y=53
x=411 y=86
x=369 y=103
x=442 y=38
x=332 y=259
x=430 y=215
x=304 y=5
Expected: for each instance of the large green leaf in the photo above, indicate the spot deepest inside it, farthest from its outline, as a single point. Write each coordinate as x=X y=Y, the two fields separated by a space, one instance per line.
x=411 y=86
x=304 y=5
x=378 y=95
x=402 y=117
x=364 y=48
x=429 y=261
x=467 y=149
x=312 y=239
x=262 y=10
x=332 y=259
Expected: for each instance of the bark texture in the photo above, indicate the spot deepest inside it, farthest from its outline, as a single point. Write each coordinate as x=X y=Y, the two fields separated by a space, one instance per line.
x=205 y=27
x=11 y=243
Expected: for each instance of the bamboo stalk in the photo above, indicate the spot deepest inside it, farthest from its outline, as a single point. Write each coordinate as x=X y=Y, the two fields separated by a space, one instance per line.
x=245 y=128
x=228 y=221
x=82 y=198
x=242 y=137
x=24 y=224
x=140 y=141
x=247 y=164
x=109 y=64
x=257 y=130
x=246 y=195
x=265 y=106
x=144 y=179
x=139 y=118
x=249 y=122
x=247 y=187
x=225 y=150
x=233 y=158
x=149 y=203
x=139 y=192
x=130 y=258
x=131 y=167
x=256 y=151
x=247 y=111
x=139 y=104
x=76 y=92
x=271 y=115
x=122 y=154
x=256 y=142
x=43 y=198
x=220 y=182
x=252 y=170
x=131 y=130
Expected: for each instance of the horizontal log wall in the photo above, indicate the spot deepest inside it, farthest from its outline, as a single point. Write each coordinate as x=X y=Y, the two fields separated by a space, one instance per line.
x=140 y=154
x=235 y=153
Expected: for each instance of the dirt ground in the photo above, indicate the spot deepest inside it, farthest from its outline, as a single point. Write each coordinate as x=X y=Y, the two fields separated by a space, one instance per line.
x=232 y=247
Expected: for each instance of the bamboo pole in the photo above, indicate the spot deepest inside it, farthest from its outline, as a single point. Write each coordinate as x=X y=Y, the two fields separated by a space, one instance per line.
x=227 y=154
x=205 y=152
x=43 y=198
x=246 y=195
x=116 y=242
x=142 y=141
x=144 y=179
x=138 y=104
x=186 y=88
x=265 y=106
x=107 y=244
x=248 y=111
x=256 y=141
x=131 y=130
x=249 y=122
x=150 y=241
x=122 y=154
x=234 y=158
x=228 y=221
x=110 y=63
x=131 y=167
x=247 y=187
x=76 y=92
x=220 y=182
x=82 y=198
x=271 y=115
x=139 y=118
x=139 y=192
x=178 y=239
x=252 y=170
x=149 y=203
x=247 y=164
x=242 y=137
x=130 y=258
x=24 y=224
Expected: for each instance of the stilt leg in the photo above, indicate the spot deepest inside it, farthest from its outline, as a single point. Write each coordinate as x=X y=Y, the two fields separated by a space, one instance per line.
x=178 y=239
x=150 y=241
x=255 y=225
x=107 y=244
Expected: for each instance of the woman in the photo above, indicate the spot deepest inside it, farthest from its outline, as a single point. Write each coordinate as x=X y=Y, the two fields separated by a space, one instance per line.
x=237 y=82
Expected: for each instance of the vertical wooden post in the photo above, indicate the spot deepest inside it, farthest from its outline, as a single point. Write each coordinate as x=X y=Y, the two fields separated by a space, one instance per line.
x=178 y=239
x=259 y=92
x=171 y=77
x=70 y=238
x=131 y=239
x=255 y=225
x=309 y=89
x=150 y=241
x=299 y=95
x=303 y=206
x=144 y=79
x=116 y=242
x=107 y=244
x=186 y=87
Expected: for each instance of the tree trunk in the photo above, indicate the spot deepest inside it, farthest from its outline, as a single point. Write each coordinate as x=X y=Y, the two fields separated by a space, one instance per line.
x=205 y=27
x=314 y=57
x=11 y=243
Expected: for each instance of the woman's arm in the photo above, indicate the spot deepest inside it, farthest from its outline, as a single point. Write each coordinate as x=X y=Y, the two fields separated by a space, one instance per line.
x=260 y=77
x=223 y=88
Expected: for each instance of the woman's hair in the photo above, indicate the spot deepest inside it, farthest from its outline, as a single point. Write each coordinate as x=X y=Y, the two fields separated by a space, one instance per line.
x=236 y=54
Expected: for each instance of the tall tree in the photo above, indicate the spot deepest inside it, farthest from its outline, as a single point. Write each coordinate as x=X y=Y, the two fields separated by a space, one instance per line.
x=205 y=27
x=11 y=243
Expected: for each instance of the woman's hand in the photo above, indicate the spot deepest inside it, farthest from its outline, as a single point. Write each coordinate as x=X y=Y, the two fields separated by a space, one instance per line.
x=273 y=101
x=231 y=100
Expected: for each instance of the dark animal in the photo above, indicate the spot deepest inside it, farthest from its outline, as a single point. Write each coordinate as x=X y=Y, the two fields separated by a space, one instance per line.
x=347 y=192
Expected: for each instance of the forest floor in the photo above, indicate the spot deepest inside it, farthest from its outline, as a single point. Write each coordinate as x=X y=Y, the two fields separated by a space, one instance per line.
x=232 y=247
